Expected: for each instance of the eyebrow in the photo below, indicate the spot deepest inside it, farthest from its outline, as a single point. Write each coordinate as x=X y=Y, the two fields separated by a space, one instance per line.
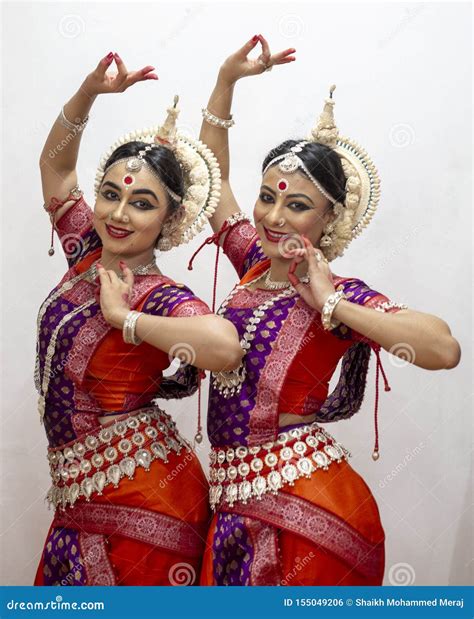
x=290 y=195
x=135 y=191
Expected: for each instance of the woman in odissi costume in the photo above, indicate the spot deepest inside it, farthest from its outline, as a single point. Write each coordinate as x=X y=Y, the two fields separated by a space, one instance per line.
x=129 y=494
x=289 y=508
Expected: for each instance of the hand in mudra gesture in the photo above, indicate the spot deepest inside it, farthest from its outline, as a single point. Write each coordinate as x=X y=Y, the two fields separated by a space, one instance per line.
x=320 y=277
x=115 y=294
x=240 y=65
x=100 y=82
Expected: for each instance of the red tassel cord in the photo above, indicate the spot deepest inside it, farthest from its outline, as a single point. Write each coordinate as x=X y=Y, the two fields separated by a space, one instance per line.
x=214 y=238
x=379 y=368
x=52 y=209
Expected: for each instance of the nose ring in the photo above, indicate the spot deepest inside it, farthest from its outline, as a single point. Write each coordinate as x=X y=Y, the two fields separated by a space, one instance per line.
x=281 y=223
x=124 y=218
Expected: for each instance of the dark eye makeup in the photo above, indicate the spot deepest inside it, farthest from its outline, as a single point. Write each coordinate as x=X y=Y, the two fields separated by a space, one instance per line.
x=142 y=205
x=266 y=198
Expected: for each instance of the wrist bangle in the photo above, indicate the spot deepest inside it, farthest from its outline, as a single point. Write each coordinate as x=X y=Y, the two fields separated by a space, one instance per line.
x=387 y=305
x=78 y=126
x=222 y=123
x=328 y=309
x=129 y=327
x=55 y=204
x=236 y=217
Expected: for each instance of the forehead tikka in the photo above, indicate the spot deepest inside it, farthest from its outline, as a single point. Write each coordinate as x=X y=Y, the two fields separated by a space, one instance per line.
x=135 y=164
x=128 y=180
x=290 y=162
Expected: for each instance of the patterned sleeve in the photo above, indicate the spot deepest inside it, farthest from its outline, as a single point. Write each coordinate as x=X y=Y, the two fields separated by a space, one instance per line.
x=76 y=233
x=243 y=248
x=174 y=300
x=359 y=292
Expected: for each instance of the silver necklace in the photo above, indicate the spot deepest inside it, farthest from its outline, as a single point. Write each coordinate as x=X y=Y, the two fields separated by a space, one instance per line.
x=141 y=269
x=90 y=275
x=230 y=382
x=273 y=285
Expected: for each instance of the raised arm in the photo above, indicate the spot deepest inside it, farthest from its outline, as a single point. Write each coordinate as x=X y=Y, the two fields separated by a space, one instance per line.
x=234 y=68
x=58 y=159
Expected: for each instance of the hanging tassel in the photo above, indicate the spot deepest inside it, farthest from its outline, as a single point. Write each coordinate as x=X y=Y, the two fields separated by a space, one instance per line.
x=52 y=209
x=214 y=238
x=379 y=368
x=198 y=436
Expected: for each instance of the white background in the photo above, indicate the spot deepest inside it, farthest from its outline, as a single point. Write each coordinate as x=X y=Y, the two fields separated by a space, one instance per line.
x=403 y=91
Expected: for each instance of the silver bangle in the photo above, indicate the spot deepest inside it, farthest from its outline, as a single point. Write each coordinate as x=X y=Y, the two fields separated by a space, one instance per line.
x=387 y=305
x=328 y=309
x=236 y=217
x=79 y=125
x=222 y=123
x=129 y=327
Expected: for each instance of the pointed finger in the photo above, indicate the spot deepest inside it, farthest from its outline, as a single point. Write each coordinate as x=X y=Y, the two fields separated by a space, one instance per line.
x=146 y=69
x=127 y=274
x=122 y=69
x=287 y=53
x=139 y=76
x=114 y=278
x=265 y=47
x=103 y=275
x=285 y=60
x=104 y=64
x=245 y=50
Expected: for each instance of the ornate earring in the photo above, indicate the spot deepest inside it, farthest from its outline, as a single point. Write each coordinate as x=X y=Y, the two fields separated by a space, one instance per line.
x=326 y=239
x=171 y=224
x=163 y=244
